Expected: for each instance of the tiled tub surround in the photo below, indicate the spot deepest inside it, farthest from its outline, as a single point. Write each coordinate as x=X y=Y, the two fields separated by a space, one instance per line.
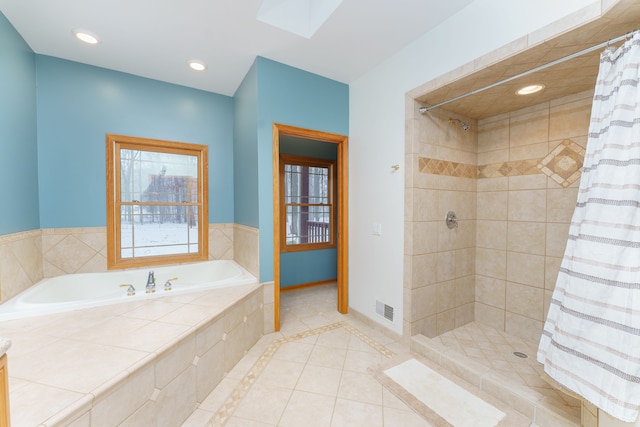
x=20 y=262
x=138 y=363
x=27 y=257
x=246 y=248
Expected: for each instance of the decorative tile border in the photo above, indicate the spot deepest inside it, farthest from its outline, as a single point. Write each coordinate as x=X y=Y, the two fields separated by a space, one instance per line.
x=444 y=167
x=493 y=170
x=240 y=391
x=563 y=165
x=517 y=168
x=369 y=341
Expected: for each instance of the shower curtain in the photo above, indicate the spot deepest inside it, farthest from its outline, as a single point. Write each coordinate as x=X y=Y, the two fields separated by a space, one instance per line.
x=591 y=338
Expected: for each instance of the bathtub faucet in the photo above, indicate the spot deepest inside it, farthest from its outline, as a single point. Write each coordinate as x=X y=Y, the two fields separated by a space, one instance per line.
x=167 y=285
x=151 y=283
x=131 y=291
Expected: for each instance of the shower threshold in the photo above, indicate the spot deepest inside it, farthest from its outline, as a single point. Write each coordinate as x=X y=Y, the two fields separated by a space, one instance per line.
x=503 y=366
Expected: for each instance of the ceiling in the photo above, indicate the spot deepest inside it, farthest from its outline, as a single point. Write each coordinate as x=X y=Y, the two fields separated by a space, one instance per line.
x=155 y=39
x=566 y=78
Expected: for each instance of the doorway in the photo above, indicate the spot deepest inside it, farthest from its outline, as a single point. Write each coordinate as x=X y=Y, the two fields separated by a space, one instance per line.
x=342 y=211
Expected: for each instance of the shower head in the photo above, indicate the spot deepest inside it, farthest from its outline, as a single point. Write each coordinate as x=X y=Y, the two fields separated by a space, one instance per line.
x=465 y=127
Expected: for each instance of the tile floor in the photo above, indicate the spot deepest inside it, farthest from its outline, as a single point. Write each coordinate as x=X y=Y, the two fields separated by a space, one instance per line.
x=495 y=350
x=314 y=371
x=311 y=373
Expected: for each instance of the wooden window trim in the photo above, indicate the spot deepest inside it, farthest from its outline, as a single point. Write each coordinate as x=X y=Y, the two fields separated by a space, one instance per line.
x=312 y=162
x=114 y=144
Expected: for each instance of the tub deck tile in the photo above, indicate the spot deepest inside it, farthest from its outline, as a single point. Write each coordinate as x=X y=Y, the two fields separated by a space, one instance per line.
x=69 y=359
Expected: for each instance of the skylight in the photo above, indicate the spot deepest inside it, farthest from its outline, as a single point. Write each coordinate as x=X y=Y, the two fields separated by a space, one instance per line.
x=301 y=17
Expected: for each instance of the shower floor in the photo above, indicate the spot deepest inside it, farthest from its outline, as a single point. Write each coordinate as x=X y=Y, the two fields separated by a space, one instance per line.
x=495 y=350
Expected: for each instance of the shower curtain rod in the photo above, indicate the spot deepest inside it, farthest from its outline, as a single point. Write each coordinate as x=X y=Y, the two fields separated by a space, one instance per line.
x=525 y=73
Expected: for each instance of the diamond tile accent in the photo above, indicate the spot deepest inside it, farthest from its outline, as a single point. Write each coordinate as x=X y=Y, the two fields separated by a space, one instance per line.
x=564 y=163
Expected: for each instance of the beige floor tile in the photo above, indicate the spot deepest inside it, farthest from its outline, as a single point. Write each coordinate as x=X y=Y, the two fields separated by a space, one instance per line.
x=327 y=370
x=318 y=379
x=242 y=367
x=389 y=400
x=264 y=342
x=198 y=418
x=242 y=422
x=316 y=321
x=397 y=417
x=338 y=338
x=308 y=410
x=294 y=352
x=349 y=413
x=328 y=357
x=309 y=339
x=361 y=361
x=361 y=387
x=219 y=395
x=357 y=344
x=281 y=373
x=263 y=404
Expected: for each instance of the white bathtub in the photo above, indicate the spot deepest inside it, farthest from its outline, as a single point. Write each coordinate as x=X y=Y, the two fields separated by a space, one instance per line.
x=75 y=291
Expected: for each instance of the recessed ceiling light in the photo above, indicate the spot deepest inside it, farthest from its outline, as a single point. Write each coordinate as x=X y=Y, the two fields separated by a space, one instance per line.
x=197 y=65
x=86 y=37
x=528 y=90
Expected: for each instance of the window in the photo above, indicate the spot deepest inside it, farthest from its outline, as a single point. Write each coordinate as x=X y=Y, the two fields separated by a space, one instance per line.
x=156 y=202
x=307 y=203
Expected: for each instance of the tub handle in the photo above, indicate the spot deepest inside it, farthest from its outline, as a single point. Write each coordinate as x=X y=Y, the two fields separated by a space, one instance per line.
x=167 y=284
x=131 y=291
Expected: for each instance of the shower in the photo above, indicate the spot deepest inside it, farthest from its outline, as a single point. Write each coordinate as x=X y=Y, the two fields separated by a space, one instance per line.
x=463 y=125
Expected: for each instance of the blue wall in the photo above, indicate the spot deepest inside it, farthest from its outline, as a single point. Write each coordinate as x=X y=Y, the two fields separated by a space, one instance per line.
x=79 y=104
x=54 y=115
x=293 y=97
x=18 y=137
x=245 y=150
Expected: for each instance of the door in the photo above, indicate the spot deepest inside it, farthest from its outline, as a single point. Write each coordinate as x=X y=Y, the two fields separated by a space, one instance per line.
x=342 y=211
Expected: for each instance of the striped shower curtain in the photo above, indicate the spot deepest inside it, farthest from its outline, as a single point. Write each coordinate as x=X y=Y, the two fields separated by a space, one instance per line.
x=591 y=338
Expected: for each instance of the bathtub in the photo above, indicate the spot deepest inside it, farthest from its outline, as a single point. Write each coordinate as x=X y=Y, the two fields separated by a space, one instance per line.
x=84 y=290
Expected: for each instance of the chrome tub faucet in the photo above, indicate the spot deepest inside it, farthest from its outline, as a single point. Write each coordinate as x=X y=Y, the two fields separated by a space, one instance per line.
x=151 y=283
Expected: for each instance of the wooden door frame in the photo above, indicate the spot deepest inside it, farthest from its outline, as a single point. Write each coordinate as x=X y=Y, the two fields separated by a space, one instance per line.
x=342 y=211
